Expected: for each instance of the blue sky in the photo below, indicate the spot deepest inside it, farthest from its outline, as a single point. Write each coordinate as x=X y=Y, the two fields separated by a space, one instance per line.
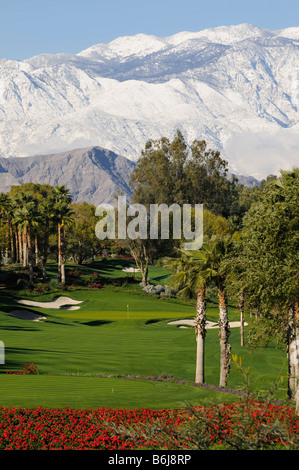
x=31 y=27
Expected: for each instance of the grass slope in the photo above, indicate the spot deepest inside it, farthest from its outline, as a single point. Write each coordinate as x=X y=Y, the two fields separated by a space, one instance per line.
x=119 y=331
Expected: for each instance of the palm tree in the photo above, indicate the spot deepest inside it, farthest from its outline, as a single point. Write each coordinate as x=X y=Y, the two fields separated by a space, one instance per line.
x=194 y=271
x=191 y=277
x=6 y=211
x=216 y=249
x=64 y=218
x=25 y=216
x=46 y=214
x=236 y=277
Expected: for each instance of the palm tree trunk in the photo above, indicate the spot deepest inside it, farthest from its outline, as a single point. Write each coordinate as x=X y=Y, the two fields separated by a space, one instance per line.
x=200 y=332
x=45 y=249
x=30 y=254
x=62 y=257
x=17 y=255
x=242 y=319
x=25 y=247
x=21 y=253
x=293 y=353
x=11 y=234
x=224 y=332
x=36 y=248
x=59 y=250
x=62 y=274
x=296 y=308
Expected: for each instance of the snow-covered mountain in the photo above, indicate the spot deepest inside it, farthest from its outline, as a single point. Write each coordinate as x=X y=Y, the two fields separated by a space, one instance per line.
x=237 y=87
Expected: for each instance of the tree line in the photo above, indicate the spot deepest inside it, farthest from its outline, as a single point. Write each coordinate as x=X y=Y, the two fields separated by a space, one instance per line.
x=39 y=221
x=252 y=257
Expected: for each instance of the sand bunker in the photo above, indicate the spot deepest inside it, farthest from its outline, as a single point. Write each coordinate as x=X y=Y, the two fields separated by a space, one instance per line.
x=27 y=315
x=131 y=270
x=59 y=303
x=209 y=324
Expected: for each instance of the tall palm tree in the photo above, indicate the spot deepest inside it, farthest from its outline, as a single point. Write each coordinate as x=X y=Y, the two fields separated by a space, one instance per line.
x=191 y=277
x=46 y=214
x=216 y=249
x=194 y=271
x=236 y=277
x=64 y=218
x=25 y=217
x=6 y=211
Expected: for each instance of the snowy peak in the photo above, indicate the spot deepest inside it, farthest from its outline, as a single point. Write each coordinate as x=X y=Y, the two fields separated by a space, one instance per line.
x=236 y=86
x=291 y=33
x=143 y=44
x=226 y=35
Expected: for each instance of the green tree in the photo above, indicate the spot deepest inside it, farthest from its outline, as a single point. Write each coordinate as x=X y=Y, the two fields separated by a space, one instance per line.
x=169 y=172
x=194 y=271
x=207 y=181
x=235 y=278
x=25 y=216
x=82 y=242
x=269 y=250
x=6 y=211
x=215 y=250
x=191 y=277
x=46 y=209
x=159 y=173
x=64 y=218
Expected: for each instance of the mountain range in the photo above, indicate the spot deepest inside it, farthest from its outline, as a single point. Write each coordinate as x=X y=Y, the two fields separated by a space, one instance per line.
x=237 y=87
x=94 y=175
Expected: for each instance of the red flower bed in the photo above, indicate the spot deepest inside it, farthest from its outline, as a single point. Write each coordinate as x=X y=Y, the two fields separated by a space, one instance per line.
x=29 y=368
x=120 y=429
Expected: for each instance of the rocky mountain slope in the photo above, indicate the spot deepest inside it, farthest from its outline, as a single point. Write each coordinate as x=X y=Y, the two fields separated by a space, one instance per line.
x=94 y=175
x=237 y=87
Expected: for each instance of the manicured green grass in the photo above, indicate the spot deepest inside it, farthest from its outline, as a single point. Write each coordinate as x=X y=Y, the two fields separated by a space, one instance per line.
x=120 y=331
x=95 y=392
x=112 y=268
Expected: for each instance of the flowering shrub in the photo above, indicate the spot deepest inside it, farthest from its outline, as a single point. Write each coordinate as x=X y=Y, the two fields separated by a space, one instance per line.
x=29 y=368
x=94 y=285
x=42 y=289
x=268 y=426
x=248 y=425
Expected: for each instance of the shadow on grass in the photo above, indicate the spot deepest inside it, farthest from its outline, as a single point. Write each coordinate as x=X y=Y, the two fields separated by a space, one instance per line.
x=97 y=323
x=29 y=351
x=150 y=322
x=18 y=328
x=160 y=278
x=103 y=266
x=17 y=364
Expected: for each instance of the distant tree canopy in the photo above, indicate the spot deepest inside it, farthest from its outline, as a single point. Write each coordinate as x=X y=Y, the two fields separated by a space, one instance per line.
x=169 y=172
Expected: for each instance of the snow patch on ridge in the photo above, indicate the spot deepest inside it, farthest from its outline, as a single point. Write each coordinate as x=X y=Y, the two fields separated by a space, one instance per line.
x=222 y=84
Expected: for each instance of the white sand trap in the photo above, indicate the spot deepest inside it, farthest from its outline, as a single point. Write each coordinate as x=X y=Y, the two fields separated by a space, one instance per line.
x=58 y=303
x=27 y=315
x=131 y=270
x=209 y=325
